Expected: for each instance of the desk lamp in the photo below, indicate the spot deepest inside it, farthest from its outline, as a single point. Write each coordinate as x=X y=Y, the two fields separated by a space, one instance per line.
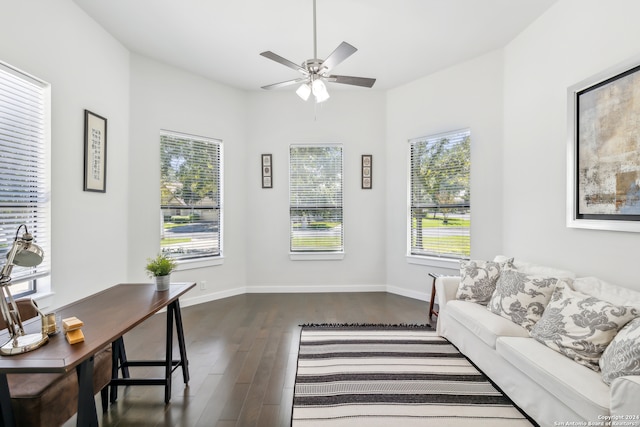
x=23 y=253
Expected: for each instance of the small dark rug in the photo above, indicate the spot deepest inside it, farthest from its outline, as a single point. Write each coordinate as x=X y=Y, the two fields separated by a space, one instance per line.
x=377 y=375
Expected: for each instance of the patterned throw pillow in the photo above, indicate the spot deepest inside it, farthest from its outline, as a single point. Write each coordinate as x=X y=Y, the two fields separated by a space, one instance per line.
x=622 y=356
x=521 y=298
x=580 y=326
x=478 y=280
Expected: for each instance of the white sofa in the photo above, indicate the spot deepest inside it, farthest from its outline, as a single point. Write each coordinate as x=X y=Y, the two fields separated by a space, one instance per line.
x=551 y=388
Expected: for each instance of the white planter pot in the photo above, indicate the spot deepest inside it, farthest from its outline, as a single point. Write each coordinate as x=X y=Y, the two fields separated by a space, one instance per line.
x=162 y=282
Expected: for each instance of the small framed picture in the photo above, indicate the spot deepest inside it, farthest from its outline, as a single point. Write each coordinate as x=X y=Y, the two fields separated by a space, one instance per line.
x=367 y=171
x=267 y=177
x=95 y=152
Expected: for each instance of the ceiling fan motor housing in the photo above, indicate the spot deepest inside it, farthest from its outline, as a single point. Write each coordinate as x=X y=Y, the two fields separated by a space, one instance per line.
x=313 y=66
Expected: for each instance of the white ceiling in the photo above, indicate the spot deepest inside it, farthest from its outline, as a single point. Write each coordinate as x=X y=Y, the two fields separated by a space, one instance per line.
x=398 y=41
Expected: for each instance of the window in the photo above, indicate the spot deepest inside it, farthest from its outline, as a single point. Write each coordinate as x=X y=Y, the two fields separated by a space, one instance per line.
x=440 y=219
x=24 y=170
x=315 y=193
x=190 y=196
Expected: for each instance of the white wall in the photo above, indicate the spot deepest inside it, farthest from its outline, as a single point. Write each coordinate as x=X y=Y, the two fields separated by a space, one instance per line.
x=574 y=40
x=278 y=119
x=514 y=101
x=164 y=97
x=468 y=95
x=87 y=69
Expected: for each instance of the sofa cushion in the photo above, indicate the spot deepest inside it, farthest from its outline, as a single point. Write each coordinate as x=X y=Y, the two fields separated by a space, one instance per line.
x=622 y=356
x=576 y=386
x=580 y=326
x=521 y=298
x=535 y=269
x=478 y=280
x=482 y=323
x=606 y=291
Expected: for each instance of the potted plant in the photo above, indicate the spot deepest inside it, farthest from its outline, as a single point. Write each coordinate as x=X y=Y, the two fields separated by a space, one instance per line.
x=160 y=268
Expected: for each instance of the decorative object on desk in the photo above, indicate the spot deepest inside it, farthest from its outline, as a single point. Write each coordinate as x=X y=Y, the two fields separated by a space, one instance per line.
x=51 y=324
x=23 y=253
x=71 y=327
x=267 y=176
x=160 y=268
x=367 y=169
x=95 y=152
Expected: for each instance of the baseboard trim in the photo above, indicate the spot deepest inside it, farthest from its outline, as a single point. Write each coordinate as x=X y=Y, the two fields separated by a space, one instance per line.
x=279 y=289
x=301 y=289
x=423 y=296
x=200 y=299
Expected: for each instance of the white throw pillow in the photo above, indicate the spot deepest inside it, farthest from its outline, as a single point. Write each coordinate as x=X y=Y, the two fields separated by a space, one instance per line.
x=478 y=280
x=535 y=269
x=606 y=291
x=521 y=298
x=580 y=326
x=622 y=356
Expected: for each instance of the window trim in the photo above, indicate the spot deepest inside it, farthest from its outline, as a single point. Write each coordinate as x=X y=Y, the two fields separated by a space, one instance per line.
x=208 y=260
x=428 y=259
x=317 y=255
x=41 y=283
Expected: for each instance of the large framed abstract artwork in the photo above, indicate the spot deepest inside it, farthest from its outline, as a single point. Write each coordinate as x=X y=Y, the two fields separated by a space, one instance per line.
x=603 y=150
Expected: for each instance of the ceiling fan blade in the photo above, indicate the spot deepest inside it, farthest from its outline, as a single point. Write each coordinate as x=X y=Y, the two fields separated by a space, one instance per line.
x=283 y=84
x=349 y=80
x=341 y=53
x=283 y=61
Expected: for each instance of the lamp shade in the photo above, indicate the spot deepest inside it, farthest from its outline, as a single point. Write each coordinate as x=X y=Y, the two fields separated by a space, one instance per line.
x=304 y=91
x=29 y=256
x=319 y=90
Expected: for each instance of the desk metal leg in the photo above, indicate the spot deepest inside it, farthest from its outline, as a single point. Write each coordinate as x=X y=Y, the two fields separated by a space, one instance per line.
x=8 y=420
x=87 y=414
x=168 y=367
x=120 y=359
x=181 y=343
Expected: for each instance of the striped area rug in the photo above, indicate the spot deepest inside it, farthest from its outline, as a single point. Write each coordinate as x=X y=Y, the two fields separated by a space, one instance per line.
x=399 y=376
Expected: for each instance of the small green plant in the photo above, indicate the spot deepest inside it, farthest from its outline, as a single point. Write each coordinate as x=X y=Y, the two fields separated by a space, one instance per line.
x=161 y=265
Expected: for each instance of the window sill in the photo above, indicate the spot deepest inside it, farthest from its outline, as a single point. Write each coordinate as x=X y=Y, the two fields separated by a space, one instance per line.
x=192 y=264
x=449 y=263
x=317 y=256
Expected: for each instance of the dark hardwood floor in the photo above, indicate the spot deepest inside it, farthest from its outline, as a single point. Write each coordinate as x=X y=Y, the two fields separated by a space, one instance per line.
x=242 y=357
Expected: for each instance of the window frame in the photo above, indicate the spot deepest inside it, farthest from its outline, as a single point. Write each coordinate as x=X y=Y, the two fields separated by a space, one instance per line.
x=38 y=282
x=433 y=259
x=298 y=255
x=193 y=262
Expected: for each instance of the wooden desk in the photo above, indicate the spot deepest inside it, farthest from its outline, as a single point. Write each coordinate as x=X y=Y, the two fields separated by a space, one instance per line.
x=107 y=316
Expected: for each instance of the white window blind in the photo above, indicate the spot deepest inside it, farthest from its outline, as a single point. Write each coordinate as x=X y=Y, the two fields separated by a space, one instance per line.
x=315 y=191
x=440 y=220
x=191 y=195
x=24 y=169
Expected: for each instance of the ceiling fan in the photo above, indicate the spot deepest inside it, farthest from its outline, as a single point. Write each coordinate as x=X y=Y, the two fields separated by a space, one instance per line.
x=316 y=71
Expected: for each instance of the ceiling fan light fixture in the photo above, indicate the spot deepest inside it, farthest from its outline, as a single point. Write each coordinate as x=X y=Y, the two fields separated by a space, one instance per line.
x=319 y=90
x=304 y=91
x=316 y=72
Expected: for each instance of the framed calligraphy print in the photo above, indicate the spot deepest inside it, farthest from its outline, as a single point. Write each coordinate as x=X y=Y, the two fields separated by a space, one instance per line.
x=95 y=152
